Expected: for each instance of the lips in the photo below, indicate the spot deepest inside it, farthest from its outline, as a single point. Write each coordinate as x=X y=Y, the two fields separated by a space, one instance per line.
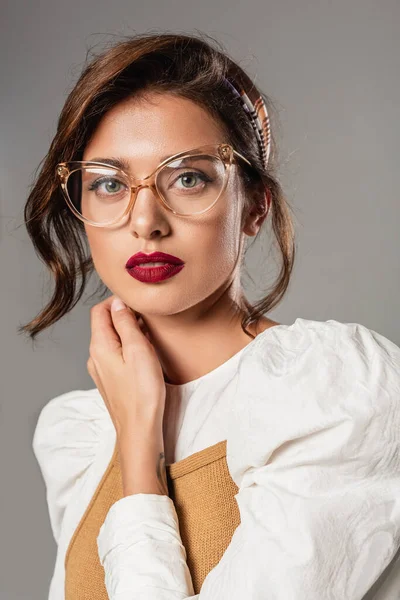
x=141 y=258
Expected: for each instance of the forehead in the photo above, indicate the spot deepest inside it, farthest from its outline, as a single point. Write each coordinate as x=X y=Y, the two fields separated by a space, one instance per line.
x=151 y=128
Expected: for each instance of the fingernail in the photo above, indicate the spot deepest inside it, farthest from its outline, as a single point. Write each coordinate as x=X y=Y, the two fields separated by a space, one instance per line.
x=117 y=304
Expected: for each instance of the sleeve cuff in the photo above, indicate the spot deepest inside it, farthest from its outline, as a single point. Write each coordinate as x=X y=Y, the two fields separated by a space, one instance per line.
x=138 y=517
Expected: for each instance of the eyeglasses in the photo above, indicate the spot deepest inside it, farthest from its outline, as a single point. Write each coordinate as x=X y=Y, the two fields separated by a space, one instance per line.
x=187 y=184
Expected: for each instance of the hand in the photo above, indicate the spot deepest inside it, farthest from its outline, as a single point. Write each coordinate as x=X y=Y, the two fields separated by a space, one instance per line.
x=124 y=365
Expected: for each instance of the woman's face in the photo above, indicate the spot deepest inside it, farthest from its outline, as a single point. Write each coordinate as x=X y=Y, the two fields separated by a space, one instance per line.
x=142 y=133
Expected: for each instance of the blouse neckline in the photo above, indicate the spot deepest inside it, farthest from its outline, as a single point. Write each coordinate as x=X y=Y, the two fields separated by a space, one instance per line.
x=229 y=363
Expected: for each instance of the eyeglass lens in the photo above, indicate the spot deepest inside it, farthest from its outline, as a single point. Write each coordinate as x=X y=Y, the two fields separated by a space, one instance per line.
x=187 y=184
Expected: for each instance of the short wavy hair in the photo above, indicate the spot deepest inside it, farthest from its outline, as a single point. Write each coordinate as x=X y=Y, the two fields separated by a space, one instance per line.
x=192 y=67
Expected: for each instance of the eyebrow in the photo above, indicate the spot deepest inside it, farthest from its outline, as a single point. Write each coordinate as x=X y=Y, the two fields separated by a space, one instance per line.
x=119 y=162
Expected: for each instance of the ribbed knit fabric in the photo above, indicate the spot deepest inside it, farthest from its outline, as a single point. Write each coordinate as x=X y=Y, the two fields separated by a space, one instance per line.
x=203 y=494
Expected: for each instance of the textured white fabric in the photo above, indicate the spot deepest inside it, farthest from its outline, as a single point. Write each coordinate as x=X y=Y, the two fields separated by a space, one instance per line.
x=311 y=415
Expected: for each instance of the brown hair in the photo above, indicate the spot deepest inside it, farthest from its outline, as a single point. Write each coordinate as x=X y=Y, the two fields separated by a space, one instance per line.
x=189 y=66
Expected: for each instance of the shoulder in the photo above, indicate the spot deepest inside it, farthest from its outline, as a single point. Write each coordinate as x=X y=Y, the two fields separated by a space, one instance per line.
x=76 y=414
x=68 y=432
x=315 y=383
x=309 y=349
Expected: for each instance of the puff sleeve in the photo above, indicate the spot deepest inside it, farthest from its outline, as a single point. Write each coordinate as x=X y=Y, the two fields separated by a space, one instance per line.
x=67 y=434
x=314 y=447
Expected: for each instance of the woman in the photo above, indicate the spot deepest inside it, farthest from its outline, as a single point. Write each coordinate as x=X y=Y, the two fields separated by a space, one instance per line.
x=203 y=464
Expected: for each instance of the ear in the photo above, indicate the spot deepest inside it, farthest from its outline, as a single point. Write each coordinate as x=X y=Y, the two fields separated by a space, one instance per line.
x=258 y=211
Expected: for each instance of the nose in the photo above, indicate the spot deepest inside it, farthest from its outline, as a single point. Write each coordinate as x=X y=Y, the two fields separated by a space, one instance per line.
x=134 y=195
x=135 y=189
x=148 y=217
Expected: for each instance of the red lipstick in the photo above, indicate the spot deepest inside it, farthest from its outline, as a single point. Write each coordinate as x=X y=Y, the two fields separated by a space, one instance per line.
x=151 y=274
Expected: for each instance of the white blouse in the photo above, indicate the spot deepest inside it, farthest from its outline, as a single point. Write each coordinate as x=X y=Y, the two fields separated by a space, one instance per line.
x=311 y=415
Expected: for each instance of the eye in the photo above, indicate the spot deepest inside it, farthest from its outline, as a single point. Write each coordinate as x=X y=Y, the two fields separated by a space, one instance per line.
x=112 y=186
x=189 y=179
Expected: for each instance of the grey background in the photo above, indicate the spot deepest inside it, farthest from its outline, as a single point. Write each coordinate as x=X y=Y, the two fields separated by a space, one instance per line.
x=331 y=67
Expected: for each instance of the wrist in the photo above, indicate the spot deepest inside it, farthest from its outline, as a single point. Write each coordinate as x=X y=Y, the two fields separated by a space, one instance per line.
x=142 y=460
x=143 y=428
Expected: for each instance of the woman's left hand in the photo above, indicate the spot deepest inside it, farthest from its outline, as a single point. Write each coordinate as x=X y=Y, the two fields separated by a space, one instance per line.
x=125 y=367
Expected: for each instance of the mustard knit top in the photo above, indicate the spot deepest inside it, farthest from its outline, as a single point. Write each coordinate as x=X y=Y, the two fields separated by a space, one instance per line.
x=203 y=493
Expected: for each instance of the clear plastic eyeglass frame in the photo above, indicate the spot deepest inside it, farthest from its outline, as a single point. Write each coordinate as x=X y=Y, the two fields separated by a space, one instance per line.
x=225 y=152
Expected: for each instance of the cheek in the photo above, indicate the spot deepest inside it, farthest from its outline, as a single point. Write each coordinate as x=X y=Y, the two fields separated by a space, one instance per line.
x=216 y=248
x=109 y=254
x=225 y=238
x=221 y=245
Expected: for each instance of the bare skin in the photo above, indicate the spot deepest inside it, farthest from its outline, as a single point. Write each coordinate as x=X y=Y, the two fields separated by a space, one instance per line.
x=194 y=317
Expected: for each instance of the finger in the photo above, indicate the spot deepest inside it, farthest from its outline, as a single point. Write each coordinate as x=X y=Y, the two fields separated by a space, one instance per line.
x=91 y=368
x=142 y=324
x=104 y=335
x=125 y=323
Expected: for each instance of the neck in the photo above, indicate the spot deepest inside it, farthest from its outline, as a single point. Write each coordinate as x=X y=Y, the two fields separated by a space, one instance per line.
x=192 y=343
